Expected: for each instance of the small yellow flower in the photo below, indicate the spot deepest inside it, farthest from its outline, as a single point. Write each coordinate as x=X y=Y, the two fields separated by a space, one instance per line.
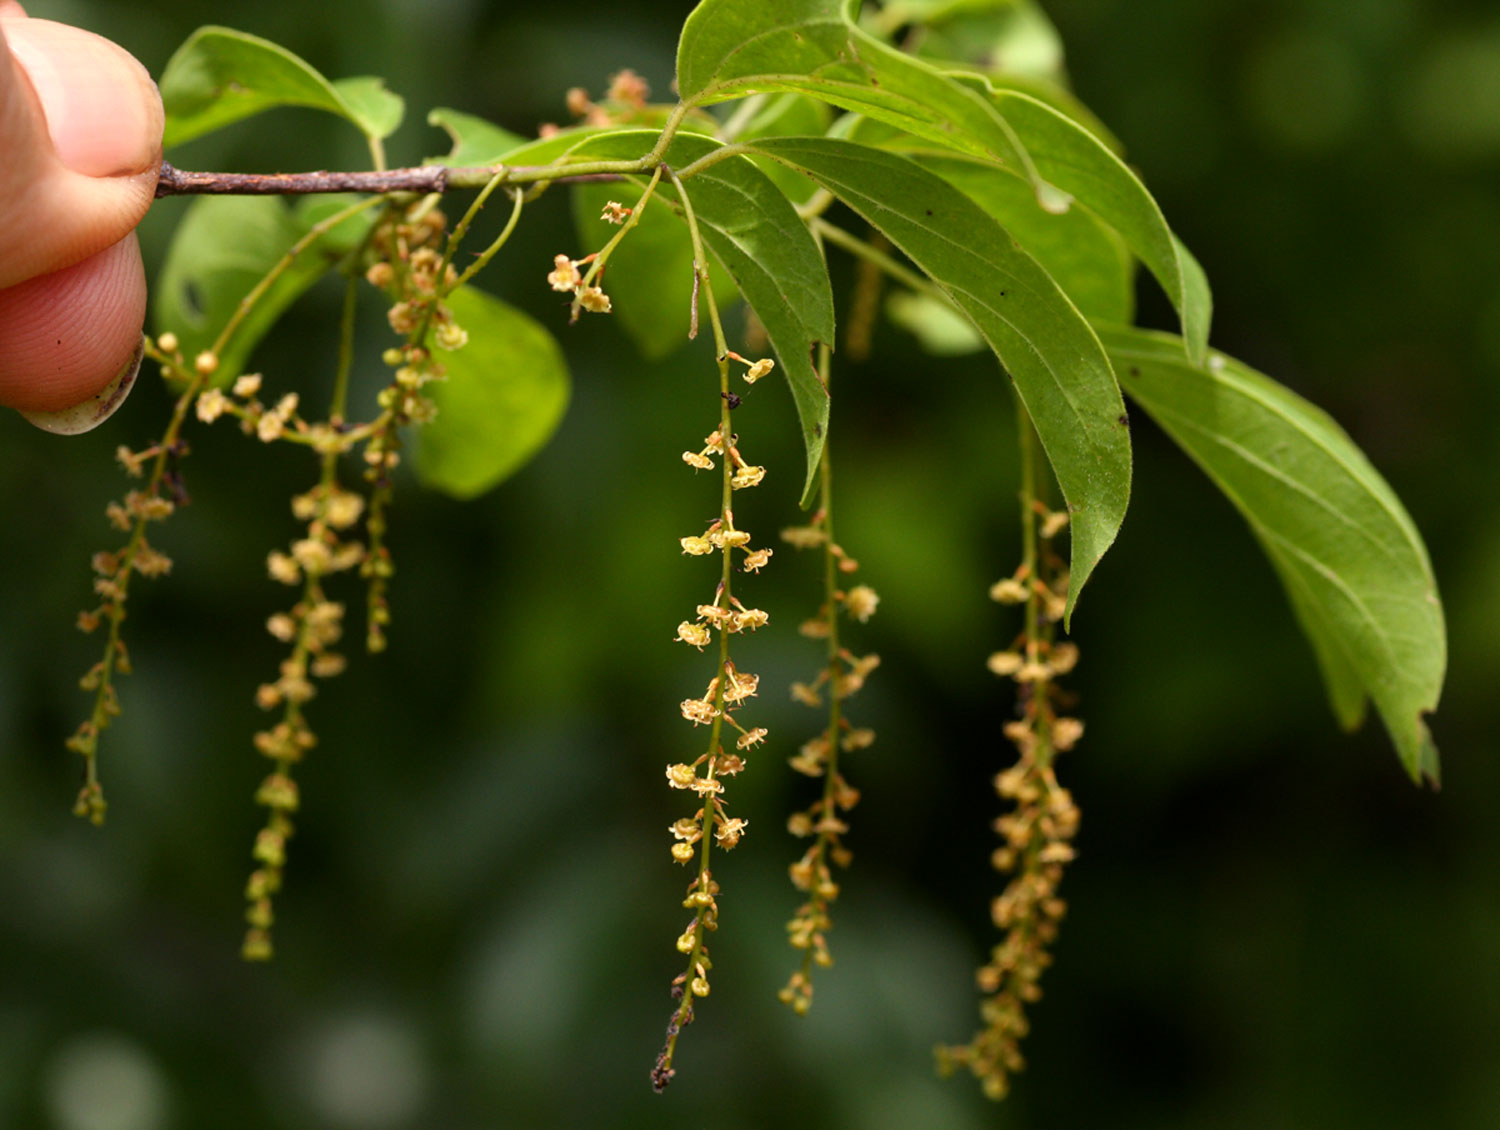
x=750 y=619
x=282 y=626
x=740 y=686
x=1033 y=671
x=1065 y=733
x=681 y=776
x=860 y=601
x=699 y=711
x=450 y=336
x=759 y=369
x=1053 y=523
x=247 y=386
x=615 y=212
x=718 y=617
x=1063 y=657
x=806 y=695
x=695 y=634
x=594 y=300
x=803 y=537
x=747 y=476
x=752 y=737
x=1004 y=663
x=700 y=462
x=697 y=546
x=757 y=559
x=282 y=568
x=564 y=276
x=682 y=853
x=729 y=833
x=211 y=405
x=1008 y=591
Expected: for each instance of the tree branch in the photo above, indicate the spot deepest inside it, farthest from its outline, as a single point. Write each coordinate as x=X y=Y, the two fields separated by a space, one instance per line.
x=423 y=179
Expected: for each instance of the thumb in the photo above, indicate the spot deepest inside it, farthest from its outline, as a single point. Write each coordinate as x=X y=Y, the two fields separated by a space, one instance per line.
x=81 y=124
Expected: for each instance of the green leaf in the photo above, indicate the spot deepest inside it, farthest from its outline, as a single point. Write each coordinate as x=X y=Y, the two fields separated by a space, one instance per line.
x=220 y=76
x=376 y=110
x=505 y=394
x=1350 y=558
x=787 y=115
x=755 y=233
x=221 y=249
x=1082 y=165
x=1011 y=37
x=1087 y=258
x=1059 y=369
x=730 y=49
x=650 y=275
x=937 y=325
x=475 y=141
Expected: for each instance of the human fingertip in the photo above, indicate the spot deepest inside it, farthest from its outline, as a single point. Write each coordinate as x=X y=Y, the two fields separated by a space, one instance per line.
x=87 y=416
x=104 y=113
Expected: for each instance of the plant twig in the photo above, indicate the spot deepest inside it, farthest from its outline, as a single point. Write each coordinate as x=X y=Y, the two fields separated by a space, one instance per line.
x=173 y=181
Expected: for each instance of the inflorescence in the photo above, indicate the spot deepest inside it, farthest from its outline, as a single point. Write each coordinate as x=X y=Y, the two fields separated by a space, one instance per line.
x=1037 y=832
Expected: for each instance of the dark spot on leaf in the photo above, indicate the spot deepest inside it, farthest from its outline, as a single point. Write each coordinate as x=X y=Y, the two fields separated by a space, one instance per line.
x=1134 y=372
x=192 y=300
x=1124 y=420
x=929 y=211
x=818 y=429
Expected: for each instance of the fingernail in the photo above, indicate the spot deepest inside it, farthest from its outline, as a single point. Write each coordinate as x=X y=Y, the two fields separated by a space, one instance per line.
x=96 y=409
x=103 y=112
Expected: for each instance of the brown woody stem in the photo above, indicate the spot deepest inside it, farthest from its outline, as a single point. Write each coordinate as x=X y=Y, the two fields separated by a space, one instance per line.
x=422 y=179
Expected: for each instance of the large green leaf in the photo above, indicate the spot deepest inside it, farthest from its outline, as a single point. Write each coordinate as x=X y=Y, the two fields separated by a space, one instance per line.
x=1351 y=559
x=1003 y=36
x=220 y=76
x=650 y=275
x=506 y=391
x=1080 y=163
x=1056 y=362
x=1087 y=258
x=787 y=115
x=755 y=233
x=221 y=249
x=730 y=48
x=475 y=141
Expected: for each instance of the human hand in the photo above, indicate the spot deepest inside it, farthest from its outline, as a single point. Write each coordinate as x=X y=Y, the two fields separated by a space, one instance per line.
x=81 y=128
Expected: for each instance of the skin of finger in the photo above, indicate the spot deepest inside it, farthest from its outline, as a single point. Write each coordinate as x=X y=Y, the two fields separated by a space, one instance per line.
x=65 y=335
x=67 y=95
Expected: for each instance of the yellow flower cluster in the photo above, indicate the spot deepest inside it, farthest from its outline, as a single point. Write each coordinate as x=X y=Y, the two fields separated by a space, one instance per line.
x=312 y=627
x=161 y=496
x=1037 y=832
x=711 y=825
x=843 y=676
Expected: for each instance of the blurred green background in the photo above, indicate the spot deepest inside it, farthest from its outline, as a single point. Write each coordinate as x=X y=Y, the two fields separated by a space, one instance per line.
x=1269 y=927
